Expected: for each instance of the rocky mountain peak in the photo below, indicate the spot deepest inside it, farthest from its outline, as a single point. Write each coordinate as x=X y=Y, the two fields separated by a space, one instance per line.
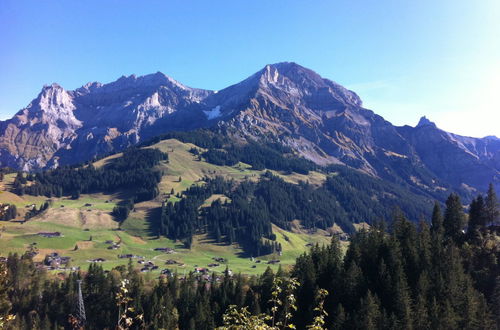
x=89 y=87
x=150 y=80
x=289 y=73
x=291 y=85
x=53 y=103
x=424 y=121
x=51 y=87
x=51 y=95
x=284 y=102
x=296 y=73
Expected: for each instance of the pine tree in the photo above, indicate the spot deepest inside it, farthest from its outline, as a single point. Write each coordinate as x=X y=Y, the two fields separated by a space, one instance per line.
x=424 y=247
x=495 y=308
x=454 y=218
x=433 y=314
x=448 y=319
x=477 y=217
x=402 y=300
x=468 y=309
x=306 y=274
x=421 y=315
x=340 y=317
x=45 y=323
x=492 y=206
x=369 y=313
x=5 y=304
x=437 y=221
x=252 y=302
x=266 y=282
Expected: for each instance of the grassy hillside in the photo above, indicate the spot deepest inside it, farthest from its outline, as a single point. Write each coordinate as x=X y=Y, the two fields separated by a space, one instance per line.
x=134 y=239
x=89 y=217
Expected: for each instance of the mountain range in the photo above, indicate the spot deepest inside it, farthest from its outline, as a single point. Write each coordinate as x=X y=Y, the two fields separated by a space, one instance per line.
x=283 y=103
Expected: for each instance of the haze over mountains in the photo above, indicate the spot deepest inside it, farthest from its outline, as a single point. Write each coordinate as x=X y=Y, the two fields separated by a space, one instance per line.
x=285 y=102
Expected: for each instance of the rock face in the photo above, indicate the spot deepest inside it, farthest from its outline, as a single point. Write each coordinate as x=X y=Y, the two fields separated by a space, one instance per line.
x=34 y=134
x=285 y=102
x=62 y=127
x=457 y=160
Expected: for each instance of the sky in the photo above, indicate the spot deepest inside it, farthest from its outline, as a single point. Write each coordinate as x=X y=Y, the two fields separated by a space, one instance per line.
x=405 y=58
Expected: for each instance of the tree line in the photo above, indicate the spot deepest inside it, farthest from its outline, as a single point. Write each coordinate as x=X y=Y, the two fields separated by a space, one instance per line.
x=436 y=275
x=246 y=217
x=224 y=151
x=271 y=156
x=134 y=170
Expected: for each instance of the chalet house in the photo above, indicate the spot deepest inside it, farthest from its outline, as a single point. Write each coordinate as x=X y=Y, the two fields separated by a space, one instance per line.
x=201 y=270
x=125 y=256
x=54 y=260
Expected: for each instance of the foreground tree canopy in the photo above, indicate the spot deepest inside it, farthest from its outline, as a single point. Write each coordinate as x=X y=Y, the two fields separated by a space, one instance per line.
x=401 y=277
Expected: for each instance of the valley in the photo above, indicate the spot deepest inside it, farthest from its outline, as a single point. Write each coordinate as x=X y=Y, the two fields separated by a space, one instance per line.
x=167 y=216
x=87 y=222
x=249 y=165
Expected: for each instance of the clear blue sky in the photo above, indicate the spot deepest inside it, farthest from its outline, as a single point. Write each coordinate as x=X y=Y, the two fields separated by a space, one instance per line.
x=405 y=58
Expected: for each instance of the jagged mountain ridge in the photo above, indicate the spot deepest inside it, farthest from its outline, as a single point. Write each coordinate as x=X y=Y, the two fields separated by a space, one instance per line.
x=61 y=126
x=284 y=102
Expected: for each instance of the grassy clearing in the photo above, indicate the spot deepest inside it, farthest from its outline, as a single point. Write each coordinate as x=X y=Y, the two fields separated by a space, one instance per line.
x=20 y=201
x=8 y=180
x=222 y=198
x=97 y=202
x=133 y=239
x=89 y=217
x=314 y=178
x=183 y=164
x=361 y=226
x=136 y=227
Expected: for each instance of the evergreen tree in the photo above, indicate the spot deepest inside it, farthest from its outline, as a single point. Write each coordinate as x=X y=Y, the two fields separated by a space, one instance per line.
x=495 y=310
x=477 y=217
x=454 y=218
x=437 y=220
x=492 y=207
x=369 y=313
x=424 y=249
x=421 y=314
x=5 y=304
x=340 y=318
x=402 y=280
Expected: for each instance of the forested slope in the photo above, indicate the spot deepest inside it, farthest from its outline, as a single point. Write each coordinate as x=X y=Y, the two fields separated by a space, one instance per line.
x=403 y=277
